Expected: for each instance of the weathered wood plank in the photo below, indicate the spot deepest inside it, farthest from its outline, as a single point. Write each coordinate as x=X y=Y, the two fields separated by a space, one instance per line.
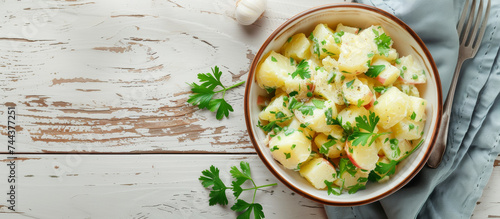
x=142 y=186
x=137 y=186
x=110 y=76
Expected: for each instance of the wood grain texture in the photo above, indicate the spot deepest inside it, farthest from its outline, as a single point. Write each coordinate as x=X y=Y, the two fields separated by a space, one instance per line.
x=110 y=76
x=155 y=186
x=140 y=186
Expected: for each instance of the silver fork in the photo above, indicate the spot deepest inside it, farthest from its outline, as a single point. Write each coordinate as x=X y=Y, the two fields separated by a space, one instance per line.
x=469 y=44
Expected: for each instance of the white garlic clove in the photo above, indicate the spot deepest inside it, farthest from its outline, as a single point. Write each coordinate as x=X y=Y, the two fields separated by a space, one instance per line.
x=248 y=11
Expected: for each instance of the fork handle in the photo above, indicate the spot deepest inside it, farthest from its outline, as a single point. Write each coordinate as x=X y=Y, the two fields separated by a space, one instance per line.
x=440 y=144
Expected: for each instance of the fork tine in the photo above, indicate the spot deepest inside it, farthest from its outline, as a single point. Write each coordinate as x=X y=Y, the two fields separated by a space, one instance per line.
x=476 y=26
x=483 y=28
x=469 y=23
x=461 y=21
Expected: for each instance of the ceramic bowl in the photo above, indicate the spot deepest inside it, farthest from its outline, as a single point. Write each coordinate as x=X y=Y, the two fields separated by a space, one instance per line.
x=406 y=42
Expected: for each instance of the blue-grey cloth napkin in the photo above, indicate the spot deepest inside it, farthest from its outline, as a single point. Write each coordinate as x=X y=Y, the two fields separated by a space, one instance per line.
x=452 y=190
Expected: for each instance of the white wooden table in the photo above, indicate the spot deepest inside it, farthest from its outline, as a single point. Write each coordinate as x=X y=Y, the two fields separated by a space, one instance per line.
x=103 y=129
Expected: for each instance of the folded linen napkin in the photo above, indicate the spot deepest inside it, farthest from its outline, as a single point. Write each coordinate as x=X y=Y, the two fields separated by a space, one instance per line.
x=452 y=190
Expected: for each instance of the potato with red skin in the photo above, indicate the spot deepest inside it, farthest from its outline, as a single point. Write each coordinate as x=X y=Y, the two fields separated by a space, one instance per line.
x=316 y=171
x=390 y=73
x=356 y=92
x=362 y=156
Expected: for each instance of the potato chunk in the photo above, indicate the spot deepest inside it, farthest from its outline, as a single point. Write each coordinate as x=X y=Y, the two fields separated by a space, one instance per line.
x=315 y=118
x=325 y=43
x=273 y=71
x=276 y=110
x=416 y=109
x=354 y=54
x=360 y=177
x=390 y=73
x=290 y=147
x=330 y=146
x=394 y=148
x=346 y=29
x=297 y=47
x=316 y=171
x=392 y=107
x=411 y=71
x=409 y=129
x=328 y=84
x=356 y=92
x=348 y=115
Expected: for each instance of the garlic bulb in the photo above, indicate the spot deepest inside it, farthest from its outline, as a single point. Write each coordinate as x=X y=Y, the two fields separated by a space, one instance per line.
x=248 y=11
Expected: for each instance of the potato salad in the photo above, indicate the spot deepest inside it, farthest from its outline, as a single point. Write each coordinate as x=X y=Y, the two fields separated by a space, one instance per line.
x=343 y=107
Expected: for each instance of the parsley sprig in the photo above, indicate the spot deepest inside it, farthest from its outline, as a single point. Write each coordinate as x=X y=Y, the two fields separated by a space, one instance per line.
x=203 y=94
x=383 y=43
x=302 y=70
x=388 y=169
x=368 y=124
x=211 y=178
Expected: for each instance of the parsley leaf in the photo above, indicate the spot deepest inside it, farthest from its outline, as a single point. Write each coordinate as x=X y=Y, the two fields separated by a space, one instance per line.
x=394 y=147
x=337 y=37
x=374 y=70
x=221 y=106
x=353 y=189
x=349 y=83
x=413 y=116
x=345 y=165
x=325 y=148
x=315 y=45
x=329 y=118
x=307 y=110
x=367 y=124
x=336 y=190
x=380 y=89
x=218 y=196
x=269 y=127
x=331 y=77
x=203 y=93
x=302 y=70
x=247 y=209
x=383 y=43
x=320 y=104
x=241 y=177
x=388 y=169
x=218 y=193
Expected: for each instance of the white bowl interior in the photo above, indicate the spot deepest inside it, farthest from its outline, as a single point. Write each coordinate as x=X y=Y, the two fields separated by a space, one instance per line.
x=405 y=44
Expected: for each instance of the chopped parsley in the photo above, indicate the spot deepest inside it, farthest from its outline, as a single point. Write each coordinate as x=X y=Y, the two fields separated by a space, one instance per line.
x=349 y=83
x=302 y=70
x=320 y=104
x=331 y=77
x=374 y=70
x=325 y=148
x=383 y=43
x=368 y=124
x=360 y=102
x=337 y=37
x=413 y=116
x=380 y=89
x=388 y=169
x=394 y=147
x=410 y=127
x=287 y=155
x=315 y=45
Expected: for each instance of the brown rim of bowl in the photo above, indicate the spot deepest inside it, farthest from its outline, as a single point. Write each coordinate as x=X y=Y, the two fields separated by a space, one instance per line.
x=251 y=80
